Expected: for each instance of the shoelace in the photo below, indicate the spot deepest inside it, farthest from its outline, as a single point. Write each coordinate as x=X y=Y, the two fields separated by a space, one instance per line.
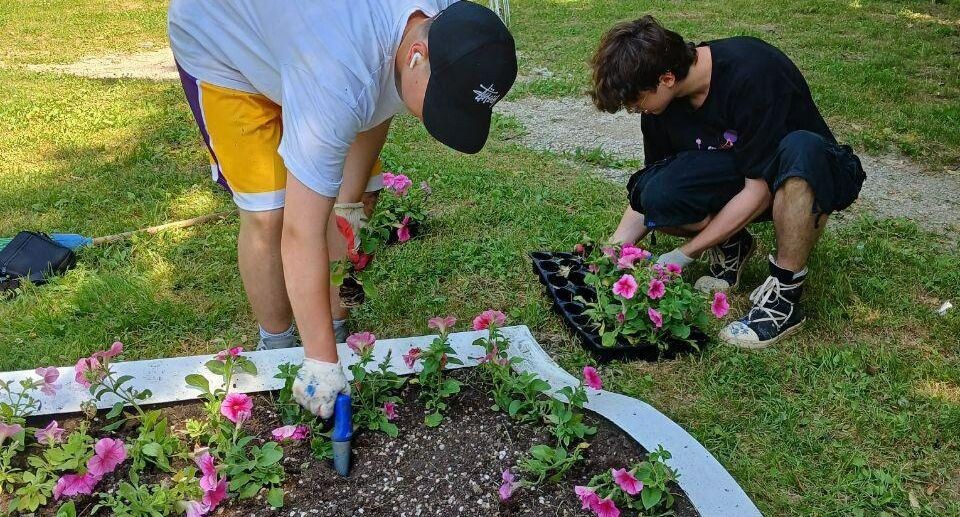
x=769 y=293
x=716 y=257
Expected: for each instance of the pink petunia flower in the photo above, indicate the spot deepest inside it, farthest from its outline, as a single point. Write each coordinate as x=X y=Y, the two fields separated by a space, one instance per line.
x=629 y=254
x=720 y=305
x=591 y=378
x=397 y=183
x=89 y=371
x=230 y=352
x=70 y=485
x=488 y=317
x=291 y=432
x=237 y=407
x=627 y=482
x=115 y=349
x=48 y=376
x=361 y=342
x=208 y=469
x=442 y=324
x=606 y=508
x=663 y=274
x=656 y=289
x=7 y=431
x=579 y=248
x=411 y=357
x=403 y=232
x=213 y=497
x=588 y=498
x=51 y=434
x=610 y=253
x=107 y=454
x=621 y=317
x=626 y=287
x=593 y=268
x=675 y=269
x=508 y=486
x=655 y=317
x=194 y=508
x=390 y=409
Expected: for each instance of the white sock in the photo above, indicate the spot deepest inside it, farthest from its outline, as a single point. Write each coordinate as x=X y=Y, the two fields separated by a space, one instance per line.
x=286 y=333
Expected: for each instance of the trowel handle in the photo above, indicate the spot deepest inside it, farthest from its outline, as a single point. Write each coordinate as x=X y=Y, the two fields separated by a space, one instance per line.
x=342 y=418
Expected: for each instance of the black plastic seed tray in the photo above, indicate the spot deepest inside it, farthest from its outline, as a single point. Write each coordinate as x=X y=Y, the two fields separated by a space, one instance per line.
x=562 y=274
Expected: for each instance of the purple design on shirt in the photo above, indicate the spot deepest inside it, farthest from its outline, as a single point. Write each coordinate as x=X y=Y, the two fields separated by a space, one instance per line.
x=729 y=137
x=698 y=143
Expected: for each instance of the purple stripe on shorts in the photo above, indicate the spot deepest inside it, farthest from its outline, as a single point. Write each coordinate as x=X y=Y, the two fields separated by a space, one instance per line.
x=191 y=88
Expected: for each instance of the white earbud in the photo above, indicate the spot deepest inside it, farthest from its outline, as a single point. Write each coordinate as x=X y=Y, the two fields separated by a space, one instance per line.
x=416 y=59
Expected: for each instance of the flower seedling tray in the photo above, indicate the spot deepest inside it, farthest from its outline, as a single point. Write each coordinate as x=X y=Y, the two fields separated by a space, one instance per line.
x=563 y=274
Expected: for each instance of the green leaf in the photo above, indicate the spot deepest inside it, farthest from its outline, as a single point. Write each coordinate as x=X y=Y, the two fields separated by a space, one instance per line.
x=514 y=407
x=650 y=497
x=270 y=454
x=152 y=449
x=275 y=498
x=68 y=509
x=115 y=412
x=390 y=428
x=114 y=426
x=215 y=366
x=144 y=395
x=608 y=339
x=433 y=419
x=249 y=491
x=681 y=331
x=248 y=367
x=124 y=379
x=198 y=381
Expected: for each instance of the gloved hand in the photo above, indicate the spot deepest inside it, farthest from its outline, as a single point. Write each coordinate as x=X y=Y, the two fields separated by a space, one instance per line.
x=317 y=385
x=674 y=256
x=353 y=213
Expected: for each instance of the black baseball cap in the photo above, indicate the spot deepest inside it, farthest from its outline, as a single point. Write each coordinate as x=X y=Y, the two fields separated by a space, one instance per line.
x=473 y=64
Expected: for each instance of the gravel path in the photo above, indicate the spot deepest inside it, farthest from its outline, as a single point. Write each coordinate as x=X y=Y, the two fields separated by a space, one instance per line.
x=895 y=186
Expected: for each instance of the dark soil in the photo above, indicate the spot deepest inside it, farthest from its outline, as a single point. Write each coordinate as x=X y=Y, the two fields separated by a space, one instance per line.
x=453 y=469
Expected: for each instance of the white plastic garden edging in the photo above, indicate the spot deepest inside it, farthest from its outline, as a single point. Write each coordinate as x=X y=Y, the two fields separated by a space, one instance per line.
x=711 y=489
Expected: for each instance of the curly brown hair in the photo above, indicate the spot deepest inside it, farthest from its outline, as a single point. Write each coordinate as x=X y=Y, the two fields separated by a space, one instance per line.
x=631 y=58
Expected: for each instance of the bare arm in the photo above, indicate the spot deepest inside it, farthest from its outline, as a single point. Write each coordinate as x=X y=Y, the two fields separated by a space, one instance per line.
x=736 y=214
x=362 y=155
x=306 y=267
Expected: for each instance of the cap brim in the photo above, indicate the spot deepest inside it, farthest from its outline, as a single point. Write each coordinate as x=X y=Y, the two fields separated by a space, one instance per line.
x=461 y=129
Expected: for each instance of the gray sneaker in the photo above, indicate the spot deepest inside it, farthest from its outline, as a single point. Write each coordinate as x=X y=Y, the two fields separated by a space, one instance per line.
x=276 y=343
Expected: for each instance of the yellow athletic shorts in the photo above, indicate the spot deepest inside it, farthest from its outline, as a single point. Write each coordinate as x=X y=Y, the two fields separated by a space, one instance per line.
x=242 y=131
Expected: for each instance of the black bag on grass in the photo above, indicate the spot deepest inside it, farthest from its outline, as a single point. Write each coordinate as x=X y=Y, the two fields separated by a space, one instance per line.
x=33 y=256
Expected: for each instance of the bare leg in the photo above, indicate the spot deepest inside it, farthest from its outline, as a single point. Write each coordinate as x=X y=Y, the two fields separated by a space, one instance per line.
x=796 y=226
x=261 y=268
x=688 y=230
x=631 y=228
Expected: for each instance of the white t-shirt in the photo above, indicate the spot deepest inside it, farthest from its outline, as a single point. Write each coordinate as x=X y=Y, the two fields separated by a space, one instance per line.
x=328 y=63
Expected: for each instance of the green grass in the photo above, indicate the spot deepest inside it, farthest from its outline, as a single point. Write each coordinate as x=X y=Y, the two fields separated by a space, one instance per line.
x=860 y=411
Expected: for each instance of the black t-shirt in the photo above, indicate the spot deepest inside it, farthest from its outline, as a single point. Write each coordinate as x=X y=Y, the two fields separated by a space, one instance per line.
x=757 y=96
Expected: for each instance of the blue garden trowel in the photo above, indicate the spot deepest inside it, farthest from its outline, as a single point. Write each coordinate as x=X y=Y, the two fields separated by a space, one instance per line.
x=342 y=434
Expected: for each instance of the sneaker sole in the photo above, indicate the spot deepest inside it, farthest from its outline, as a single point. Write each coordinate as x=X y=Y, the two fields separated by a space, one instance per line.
x=759 y=345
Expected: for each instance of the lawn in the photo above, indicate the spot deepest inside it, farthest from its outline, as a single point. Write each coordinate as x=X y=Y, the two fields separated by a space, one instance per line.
x=859 y=413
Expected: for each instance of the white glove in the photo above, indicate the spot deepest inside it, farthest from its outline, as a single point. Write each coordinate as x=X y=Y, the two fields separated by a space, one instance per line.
x=674 y=256
x=353 y=213
x=317 y=386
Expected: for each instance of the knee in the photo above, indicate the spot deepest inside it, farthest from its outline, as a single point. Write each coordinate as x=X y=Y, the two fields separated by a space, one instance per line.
x=803 y=142
x=266 y=226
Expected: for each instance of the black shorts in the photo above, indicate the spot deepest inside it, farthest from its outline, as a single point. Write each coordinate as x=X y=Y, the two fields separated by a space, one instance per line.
x=689 y=186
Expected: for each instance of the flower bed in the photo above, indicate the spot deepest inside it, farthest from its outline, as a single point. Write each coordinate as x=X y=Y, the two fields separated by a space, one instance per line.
x=432 y=440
